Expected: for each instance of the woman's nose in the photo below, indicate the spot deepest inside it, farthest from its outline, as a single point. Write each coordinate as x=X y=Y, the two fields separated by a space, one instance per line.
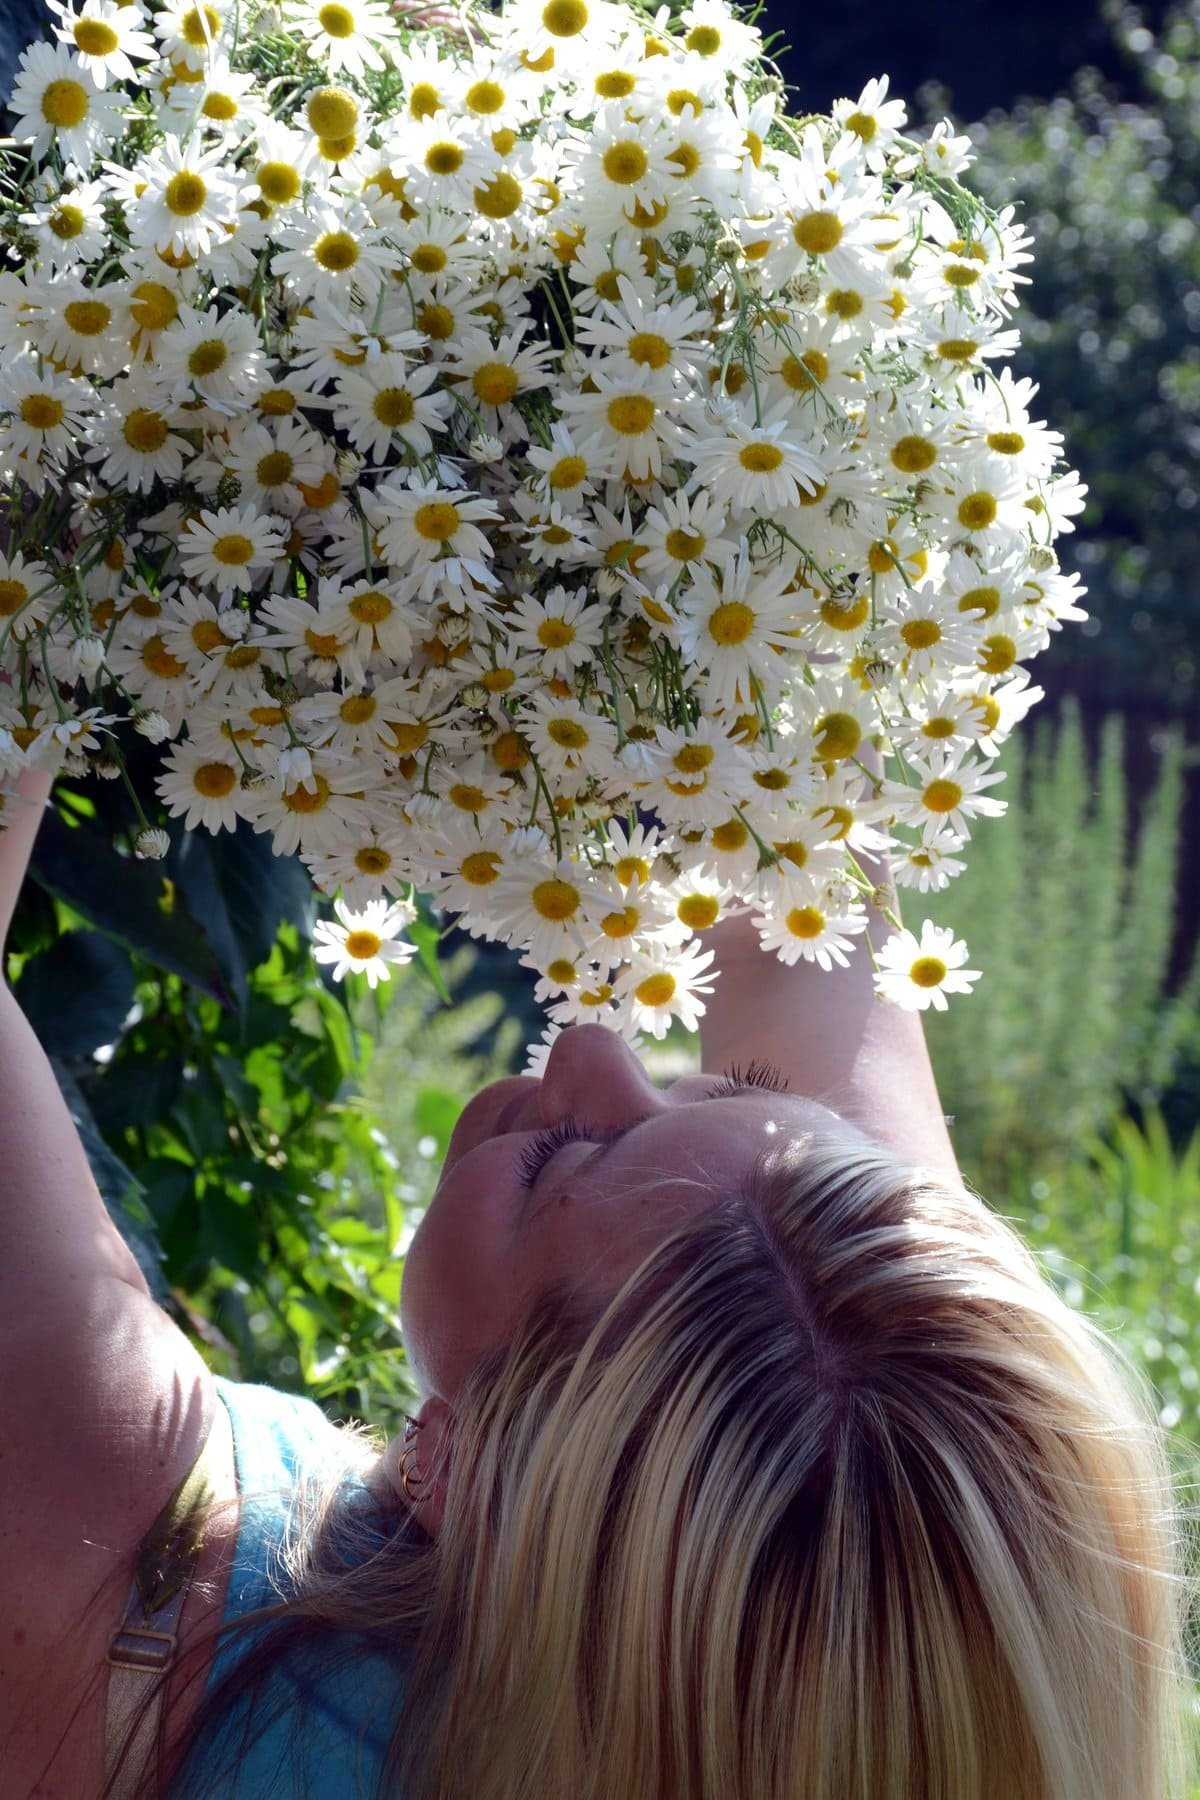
x=592 y=1076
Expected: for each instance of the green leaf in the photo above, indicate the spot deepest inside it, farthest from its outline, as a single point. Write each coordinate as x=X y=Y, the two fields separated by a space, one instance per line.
x=435 y=1114
x=128 y=901
x=77 y=994
x=243 y=892
x=427 y=936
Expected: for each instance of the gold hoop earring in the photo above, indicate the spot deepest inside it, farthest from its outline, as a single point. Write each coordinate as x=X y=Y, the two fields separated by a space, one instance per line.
x=406 y=1476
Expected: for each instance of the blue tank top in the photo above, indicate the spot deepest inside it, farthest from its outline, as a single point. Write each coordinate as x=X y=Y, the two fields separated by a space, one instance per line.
x=323 y=1734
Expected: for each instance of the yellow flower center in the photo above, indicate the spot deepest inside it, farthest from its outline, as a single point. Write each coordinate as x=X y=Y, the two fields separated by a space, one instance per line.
x=805 y=922
x=697 y=911
x=928 y=972
x=555 y=634
x=863 y=126
x=495 y=383
x=322 y=643
x=332 y=112
x=569 y=734
x=424 y=100
x=942 y=795
x=760 y=459
x=958 y=350
x=555 y=900
x=278 y=182
x=684 y=546
x=185 y=194
x=818 y=233
x=41 y=412
x=921 y=634
x=67 y=221
x=1006 y=443
x=985 y=600
x=730 y=836
x=614 y=84
x=500 y=197
x=371 y=860
x=207 y=635
x=703 y=40
x=361 y=945
x=804 y=373
x=444 y=158
x=997 y=654
x=838 y=735
x=625 y=162
x=94 y=38
x=844 y=303
x=214 y=780
x=144 y=430
x=437 y=521
x=485 y=97
x=336 y=21
x=731 y=623
x=649 y=348
x=692 y=759
x=913 y=455
x=480 y=868
x=630 y=868
x=276 y=467
x=845 y=618
x=233 y=551
x=199 y=26
x=308 y=799
x=13 y=596
x=622 y=923
x=393 y=406
x=773 y=780
x=565 y=18
x=220 y=107
x=88 y=318
x=977 y=511
x=467 y=797
x=64 y=104
x=336 y=251
x=153 y=306
x=356 y=709
x=208 y=356
x=631 y=414
x=656 y=990
x=409 y=736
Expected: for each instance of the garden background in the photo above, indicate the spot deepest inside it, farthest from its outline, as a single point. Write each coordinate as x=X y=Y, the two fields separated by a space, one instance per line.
x=267 y=1142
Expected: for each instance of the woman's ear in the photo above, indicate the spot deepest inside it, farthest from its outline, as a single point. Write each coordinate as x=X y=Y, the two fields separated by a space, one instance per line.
x=418 y=1463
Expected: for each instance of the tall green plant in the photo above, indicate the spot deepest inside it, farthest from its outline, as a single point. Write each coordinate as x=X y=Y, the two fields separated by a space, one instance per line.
x=1068 y=904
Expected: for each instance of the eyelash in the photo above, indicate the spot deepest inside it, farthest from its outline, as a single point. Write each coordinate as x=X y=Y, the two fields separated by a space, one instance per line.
x=540 y=1148
x=755 y=1075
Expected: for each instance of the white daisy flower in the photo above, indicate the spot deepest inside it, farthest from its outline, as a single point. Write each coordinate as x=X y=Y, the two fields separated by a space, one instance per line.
x=70 y=228
x=736 y=626
x=366 y=942
x=192 y=31
x=946 y=793
x=106 y=37
x=562 y=627
x=29 y=593
x=347 y=36
x=757 y=469
x=181 y=199
x=875 y=120
x=55 y=99
x=928 y=867
x=663 y=984
x=274 y=460
x=810 y=933
x=331 y=252
x=216 y=356
x=46 y=411
x=229 y=548
x=201 y=784
x=387 y=400
x=135 y=437
x=919 y=973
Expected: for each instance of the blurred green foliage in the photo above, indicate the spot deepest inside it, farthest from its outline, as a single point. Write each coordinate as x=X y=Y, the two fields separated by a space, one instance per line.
x=1111 y=325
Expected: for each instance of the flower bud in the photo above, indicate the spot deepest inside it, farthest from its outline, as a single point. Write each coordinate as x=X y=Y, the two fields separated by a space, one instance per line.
x=86 y=655
x=155 y=727
x=152 y=844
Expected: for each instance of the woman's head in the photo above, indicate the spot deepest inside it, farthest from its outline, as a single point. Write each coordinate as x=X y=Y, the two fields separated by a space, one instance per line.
x=811 y=1487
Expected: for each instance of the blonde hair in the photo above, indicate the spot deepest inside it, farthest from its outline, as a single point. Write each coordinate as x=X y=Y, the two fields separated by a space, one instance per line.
x=836 y=1498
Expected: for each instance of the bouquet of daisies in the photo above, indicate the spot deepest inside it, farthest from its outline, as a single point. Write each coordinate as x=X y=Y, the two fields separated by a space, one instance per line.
x=510 y=459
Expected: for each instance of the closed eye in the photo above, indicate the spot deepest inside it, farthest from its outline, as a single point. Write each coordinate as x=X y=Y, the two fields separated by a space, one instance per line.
x=756 y=1074
x=542 y=1146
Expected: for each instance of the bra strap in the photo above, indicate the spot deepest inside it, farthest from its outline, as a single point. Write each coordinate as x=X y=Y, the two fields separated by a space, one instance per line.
x=144 y=1644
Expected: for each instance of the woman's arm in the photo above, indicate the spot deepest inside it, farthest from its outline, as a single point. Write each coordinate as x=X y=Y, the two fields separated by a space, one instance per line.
x=833 y=1039
x=104 y=1403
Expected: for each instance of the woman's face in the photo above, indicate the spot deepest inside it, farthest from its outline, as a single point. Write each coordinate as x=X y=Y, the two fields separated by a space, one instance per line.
x=575 y=1179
